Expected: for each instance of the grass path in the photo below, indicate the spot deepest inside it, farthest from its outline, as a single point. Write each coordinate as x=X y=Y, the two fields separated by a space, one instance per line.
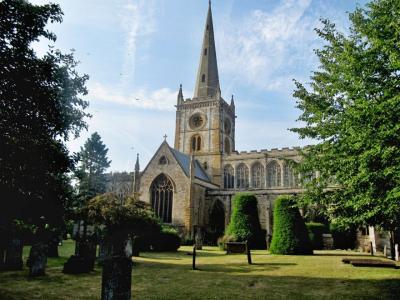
x=220 y=276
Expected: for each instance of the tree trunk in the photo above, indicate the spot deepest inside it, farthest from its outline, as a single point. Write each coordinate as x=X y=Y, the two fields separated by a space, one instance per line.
x=13 y=255
x=37 y=259
x=392 y=243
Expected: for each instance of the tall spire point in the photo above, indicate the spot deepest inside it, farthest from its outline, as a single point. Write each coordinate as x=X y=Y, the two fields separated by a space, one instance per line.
x=207 y=83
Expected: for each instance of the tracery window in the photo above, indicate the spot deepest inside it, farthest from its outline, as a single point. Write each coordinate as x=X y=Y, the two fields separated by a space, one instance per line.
x=273 y=174
x=229 y=177
x=288 y=176
x=257 y=175
x=242 y=176
x=196 y=143
x=161 y=198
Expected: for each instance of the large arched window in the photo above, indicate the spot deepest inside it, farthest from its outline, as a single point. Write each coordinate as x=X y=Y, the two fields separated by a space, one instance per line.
x=229 y=177
x=161 y=198
x=288 y=177
x=257 y=175
x=196 y=143
x=273 y=174
x=242 y=176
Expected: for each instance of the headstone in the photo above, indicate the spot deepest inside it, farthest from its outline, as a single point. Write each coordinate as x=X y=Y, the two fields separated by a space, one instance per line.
x=396 y=251
x=116 y=278
x=198 y=238
x=37 y=260
x=385 y=251
x=372 y=248
x=84 y=260
x=327 y=241
x=13 y=259
x=235 y=247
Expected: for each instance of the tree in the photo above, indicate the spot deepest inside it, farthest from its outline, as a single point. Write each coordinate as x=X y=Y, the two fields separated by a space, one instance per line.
x=93 y=163
x=40 y=108
x=290 y=234
x=245 y=224
x=352 y=107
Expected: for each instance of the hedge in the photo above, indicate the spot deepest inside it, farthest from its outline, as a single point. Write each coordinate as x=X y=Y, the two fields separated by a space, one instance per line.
x=290 y=234
x=315 y=231
x=244 y=224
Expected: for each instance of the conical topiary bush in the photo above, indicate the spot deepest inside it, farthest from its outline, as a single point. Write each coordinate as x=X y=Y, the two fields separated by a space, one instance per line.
x=290 y=233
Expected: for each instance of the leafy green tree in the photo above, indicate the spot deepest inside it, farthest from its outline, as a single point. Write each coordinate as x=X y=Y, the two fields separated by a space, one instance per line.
x=352 y=107
x=290 y=235
x=40 y=108
x=245 y=224
x=93 y=163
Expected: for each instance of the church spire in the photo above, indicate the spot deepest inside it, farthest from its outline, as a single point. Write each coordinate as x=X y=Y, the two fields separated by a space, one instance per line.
x=207 y=83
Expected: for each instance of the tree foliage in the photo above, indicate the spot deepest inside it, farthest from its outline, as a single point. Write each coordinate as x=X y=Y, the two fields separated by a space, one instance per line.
x=245 y=224
x=40 y=106
x=352 y=107
x=290 y=235
x=93 y=163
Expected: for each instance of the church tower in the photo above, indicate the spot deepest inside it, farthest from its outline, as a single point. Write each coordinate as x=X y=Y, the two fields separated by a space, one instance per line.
x=205 y=124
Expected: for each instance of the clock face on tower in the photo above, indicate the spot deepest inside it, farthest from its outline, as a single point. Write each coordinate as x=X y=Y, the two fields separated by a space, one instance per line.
x=196 y=121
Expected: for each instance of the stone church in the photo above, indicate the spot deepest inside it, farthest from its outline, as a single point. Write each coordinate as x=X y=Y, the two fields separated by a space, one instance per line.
x=190 y=184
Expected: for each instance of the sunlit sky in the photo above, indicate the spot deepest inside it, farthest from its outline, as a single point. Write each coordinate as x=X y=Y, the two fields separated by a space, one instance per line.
x=137 y=52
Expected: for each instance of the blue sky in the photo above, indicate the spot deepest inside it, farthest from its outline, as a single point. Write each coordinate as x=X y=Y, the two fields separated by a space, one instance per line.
x=143 y=49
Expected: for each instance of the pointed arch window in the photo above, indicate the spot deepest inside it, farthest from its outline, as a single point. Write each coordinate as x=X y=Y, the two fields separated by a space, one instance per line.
x=203 y=78
x=229 y=177
x=288 y=176
x=161 y=198
x=196 y=143
x=273 y=174
x=257 y=175
x=242 y=176
x=205 y=51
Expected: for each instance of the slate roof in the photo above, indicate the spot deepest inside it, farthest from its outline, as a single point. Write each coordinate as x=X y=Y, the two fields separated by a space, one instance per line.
x=184 y=162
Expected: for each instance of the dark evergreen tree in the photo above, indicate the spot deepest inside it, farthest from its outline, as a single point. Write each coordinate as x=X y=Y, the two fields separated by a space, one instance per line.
x=93 y=163
x=290 y=235
x=40 y=107
x=352 y=107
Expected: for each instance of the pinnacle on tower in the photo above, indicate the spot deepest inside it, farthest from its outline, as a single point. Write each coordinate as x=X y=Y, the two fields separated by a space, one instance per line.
x=207 y=83
x=137 y=167
x=180 y=95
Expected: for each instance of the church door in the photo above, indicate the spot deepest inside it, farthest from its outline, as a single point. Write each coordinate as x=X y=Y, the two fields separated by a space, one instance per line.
x=217 y=221
x=161 y=198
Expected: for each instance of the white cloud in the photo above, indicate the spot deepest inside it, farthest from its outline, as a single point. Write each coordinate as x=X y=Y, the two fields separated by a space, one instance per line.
x=270 y=48
x=159 y=99
x=138 y=22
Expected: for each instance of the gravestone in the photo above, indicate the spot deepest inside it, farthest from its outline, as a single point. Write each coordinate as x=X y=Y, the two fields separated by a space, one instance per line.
x=116 y=278
x=396 y=251
x=327 y=241
x=235 y=247
x=13 y=256
x=37 y=260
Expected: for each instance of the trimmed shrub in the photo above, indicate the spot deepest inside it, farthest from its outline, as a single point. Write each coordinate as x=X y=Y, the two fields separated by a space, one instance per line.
x=342 y=238
x=290 y=234
x=244 y=224
x=315 y=231
x=168 y=240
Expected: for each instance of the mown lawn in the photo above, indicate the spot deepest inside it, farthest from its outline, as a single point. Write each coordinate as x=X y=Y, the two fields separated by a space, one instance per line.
x=220 y=276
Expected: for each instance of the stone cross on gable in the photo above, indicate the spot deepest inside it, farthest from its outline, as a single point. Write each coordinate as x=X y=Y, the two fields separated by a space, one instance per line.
x=165 y=137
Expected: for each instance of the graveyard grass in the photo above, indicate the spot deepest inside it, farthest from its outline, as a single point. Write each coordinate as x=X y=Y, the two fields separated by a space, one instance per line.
x=220 y=276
